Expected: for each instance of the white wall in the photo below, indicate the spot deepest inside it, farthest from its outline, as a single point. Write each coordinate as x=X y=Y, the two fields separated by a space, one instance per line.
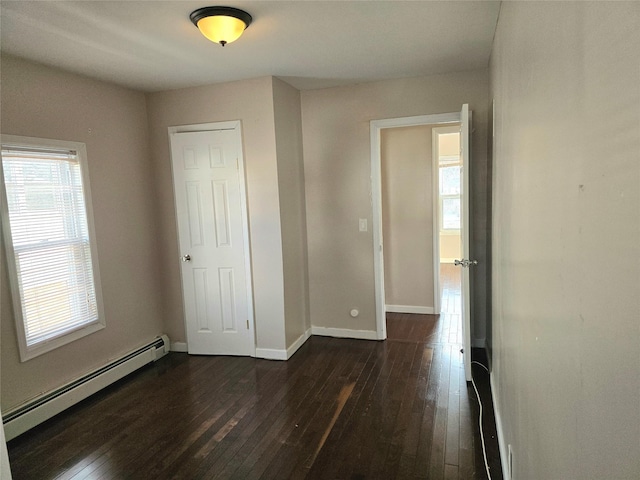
x=43 y=102
x=566 y=238
x=337 y=158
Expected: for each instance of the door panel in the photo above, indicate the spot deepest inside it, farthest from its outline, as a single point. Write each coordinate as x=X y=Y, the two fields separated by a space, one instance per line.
x=465 y=120
x=211 y=231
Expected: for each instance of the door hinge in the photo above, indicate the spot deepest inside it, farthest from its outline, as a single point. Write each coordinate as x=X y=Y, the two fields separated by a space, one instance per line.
x=247 y=324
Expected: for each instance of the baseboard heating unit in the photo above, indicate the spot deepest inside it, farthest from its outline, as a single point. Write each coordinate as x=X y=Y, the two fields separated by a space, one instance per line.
x=43 y=407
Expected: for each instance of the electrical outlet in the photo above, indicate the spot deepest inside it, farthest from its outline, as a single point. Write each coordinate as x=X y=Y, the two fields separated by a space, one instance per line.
x=510 y=463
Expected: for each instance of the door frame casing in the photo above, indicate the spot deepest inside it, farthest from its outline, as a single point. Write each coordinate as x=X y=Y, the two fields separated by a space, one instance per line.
x=376 y=126
x=235 y=125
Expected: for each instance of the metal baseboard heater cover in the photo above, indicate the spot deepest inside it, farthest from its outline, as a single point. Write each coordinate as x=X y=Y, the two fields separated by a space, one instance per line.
x=39 y=409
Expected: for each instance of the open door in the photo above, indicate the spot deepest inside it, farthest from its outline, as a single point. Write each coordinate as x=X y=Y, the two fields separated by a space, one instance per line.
x=465 y=263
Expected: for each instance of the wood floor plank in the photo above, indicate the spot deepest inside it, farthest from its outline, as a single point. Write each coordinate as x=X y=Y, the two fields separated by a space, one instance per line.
x=427 y=417
x=412 y=436
x=364 y=434
x=450 y=472
x=256 y=443
x=265 y=408
x=453 y=410
x=394 y=396
x=312 y=402
x=338 y=409
x=341 y=460
x=437 y=459
x=402 y=421
x=466 y=460
x=192 y=423
x=357 y=378
x=311 y=428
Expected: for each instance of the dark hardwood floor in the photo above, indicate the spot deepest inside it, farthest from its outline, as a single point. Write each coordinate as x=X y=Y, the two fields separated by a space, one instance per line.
x=338 y=409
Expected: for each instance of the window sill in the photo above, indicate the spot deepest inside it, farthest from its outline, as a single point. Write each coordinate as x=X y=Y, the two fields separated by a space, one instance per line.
x=27 y=353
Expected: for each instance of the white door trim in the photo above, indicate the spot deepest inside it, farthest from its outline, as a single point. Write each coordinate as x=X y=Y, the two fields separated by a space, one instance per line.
x=231 y=125
x=376 y=200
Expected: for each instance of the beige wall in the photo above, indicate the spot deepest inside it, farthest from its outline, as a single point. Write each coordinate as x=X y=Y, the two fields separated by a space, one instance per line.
x=566 y=295
x=337 y=164
x=288 y=131
x=449 y=145
x=134 y=208
x=38 y=101
x=450 y=246
x=406 y=161
x=251 y=102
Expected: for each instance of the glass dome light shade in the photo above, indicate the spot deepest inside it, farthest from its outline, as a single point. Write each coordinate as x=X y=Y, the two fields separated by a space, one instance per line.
x=221 y=24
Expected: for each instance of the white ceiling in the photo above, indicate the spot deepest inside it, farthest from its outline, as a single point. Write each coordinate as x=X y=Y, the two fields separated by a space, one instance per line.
x=152 y=45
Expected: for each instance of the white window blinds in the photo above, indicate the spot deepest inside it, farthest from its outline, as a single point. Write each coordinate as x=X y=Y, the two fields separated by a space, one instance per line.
x=50 y=240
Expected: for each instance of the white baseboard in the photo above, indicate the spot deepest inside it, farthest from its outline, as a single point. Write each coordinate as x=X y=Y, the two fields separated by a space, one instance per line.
x=502 y=445
x=479 y=343
x=267 y=353
x=281 y=354
x=409 y=309
x=271 y=353
x=293 y=348
x=344 y=333
x=179 y=347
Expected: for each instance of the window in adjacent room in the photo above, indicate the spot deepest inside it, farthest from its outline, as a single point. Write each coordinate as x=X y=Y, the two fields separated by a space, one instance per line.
x=449 y=182
x=50 y=246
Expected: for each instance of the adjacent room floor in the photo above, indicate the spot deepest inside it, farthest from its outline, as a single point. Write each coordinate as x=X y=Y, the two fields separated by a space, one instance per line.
x=338 y=409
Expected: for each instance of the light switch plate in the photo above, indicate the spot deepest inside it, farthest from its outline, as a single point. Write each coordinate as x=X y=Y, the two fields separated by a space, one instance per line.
x=362 y=224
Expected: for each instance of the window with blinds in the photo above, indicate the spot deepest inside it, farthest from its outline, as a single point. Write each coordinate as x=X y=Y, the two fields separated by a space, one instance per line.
x=50 y=255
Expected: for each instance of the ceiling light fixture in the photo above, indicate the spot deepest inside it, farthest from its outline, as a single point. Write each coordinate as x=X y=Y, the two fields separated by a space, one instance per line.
x=221 y=24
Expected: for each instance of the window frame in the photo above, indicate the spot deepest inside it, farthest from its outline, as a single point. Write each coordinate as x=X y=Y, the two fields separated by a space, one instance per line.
x=29 y=352
x=444 y=162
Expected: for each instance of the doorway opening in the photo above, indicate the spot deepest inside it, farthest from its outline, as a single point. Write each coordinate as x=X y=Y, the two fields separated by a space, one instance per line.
x=377 y=127
x=447 y=165
x=409 y=225
x=463 y=119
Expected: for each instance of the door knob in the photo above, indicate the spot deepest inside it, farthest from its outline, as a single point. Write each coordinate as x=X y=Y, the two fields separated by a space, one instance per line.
x=465 y=263
x=186 y=258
